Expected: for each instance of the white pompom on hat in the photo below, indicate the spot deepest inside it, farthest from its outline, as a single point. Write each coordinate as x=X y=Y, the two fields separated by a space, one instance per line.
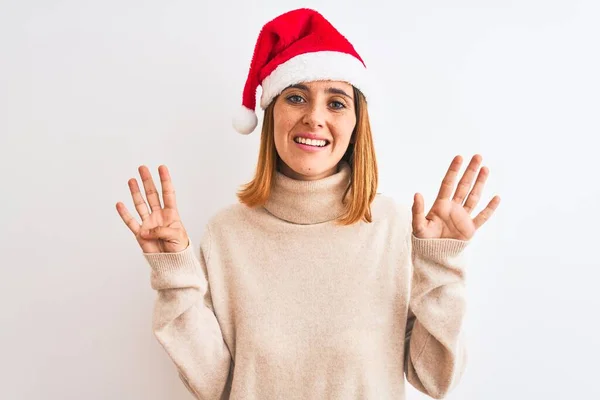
x=245 y=120
x=298 y=46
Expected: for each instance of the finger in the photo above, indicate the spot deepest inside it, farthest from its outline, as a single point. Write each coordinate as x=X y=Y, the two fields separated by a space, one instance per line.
x=162 y=232
x=131 y=223
x=418 y=212
x=487 y=212
x=475 y=194
x=449 y=178
x=138 y=200
x=168 y=190
x=467 y=179
x=151 y=192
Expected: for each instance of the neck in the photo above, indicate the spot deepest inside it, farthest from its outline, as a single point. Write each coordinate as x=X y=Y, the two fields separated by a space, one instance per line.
x=309 y=201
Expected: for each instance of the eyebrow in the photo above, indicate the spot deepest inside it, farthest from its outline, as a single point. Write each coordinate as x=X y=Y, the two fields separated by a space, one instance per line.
x=331 y=90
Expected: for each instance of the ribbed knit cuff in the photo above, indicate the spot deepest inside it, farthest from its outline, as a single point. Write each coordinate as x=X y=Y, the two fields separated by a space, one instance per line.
x=438 y=249
x=173 y=262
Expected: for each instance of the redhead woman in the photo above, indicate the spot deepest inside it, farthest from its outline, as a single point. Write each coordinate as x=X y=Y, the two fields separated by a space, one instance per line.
x=312 y=286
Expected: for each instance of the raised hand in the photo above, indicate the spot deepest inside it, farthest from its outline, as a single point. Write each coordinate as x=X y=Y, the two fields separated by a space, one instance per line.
x=161 y=230
x=449 y=217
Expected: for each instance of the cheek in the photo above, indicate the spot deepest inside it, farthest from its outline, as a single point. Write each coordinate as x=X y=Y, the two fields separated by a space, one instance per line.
x=280 y=130
x=344 y=128
x=283 y=121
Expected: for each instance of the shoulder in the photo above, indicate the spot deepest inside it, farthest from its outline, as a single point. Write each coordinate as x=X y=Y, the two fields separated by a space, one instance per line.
x=235 y=220
x=227 y=221
x=232 y=215
x=389 y=209
x=227 y=213
x=394 y=217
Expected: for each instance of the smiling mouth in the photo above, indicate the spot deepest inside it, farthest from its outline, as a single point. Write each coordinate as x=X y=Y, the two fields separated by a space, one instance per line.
x=311 y=142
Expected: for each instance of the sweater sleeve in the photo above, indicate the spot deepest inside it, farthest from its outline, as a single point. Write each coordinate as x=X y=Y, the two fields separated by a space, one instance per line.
x=184 y=321
x=435 y=353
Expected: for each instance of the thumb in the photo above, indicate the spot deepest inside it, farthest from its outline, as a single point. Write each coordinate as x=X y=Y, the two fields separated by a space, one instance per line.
x=161 y=232
x=418 y=212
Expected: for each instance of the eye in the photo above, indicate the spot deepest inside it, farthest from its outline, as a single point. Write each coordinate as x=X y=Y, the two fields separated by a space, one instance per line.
x=338 y=105
x=295 y=98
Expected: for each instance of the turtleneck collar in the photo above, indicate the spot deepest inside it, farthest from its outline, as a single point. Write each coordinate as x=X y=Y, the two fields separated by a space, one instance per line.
x=309 y=202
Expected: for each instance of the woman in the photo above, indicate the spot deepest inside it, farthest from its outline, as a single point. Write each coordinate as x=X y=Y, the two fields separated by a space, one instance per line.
x=314 y=286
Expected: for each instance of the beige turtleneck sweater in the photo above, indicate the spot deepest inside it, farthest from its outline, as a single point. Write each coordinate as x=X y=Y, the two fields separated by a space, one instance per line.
x=282 y=303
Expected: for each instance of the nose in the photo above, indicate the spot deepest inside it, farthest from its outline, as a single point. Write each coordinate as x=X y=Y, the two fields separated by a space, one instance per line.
x=314 y=117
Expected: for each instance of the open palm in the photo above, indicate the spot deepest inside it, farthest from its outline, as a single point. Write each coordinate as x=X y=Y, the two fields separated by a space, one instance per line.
x=449 y=217
x=161 y=230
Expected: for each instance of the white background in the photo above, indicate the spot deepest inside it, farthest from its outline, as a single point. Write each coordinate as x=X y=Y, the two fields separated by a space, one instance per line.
x=90 y=90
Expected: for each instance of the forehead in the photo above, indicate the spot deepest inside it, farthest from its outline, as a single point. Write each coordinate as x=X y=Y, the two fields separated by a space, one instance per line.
x=323 y=85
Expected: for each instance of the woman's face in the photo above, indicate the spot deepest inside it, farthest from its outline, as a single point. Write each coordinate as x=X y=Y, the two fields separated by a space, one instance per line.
x=313 y=124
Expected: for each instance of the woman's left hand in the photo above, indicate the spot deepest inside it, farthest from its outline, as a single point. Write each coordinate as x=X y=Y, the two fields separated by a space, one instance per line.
x=448 y=217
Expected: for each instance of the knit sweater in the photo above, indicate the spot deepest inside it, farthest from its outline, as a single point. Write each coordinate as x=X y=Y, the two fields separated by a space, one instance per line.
x=281 y=302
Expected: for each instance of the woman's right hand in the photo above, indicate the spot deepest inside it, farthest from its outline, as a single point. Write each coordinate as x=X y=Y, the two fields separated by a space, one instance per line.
x=161 y=230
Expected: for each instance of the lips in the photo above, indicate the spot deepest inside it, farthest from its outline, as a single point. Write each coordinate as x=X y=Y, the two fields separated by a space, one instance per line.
x=308 y=135
x=318 y=143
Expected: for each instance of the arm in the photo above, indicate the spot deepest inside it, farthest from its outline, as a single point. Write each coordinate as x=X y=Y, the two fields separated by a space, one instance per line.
x=435 y=353
x=184 y=321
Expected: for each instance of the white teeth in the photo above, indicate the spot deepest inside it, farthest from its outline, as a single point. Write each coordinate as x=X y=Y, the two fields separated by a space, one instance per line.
x=311 y=142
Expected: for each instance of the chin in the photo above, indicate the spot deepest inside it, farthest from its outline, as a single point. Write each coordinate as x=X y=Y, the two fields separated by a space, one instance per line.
x=313 y=169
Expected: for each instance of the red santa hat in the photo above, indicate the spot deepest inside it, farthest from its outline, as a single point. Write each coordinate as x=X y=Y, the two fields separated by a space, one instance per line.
x=298 y=46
